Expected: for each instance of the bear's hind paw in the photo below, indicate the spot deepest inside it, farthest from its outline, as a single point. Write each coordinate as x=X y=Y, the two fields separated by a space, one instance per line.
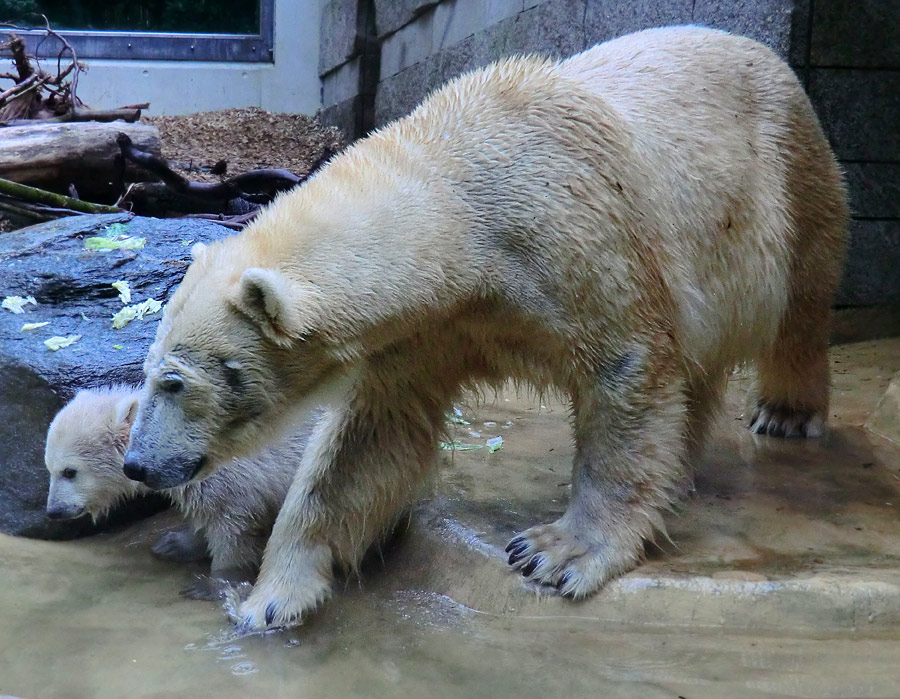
x=783 y=421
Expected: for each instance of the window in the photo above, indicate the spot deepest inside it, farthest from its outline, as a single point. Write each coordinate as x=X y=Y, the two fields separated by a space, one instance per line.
x=194 y=30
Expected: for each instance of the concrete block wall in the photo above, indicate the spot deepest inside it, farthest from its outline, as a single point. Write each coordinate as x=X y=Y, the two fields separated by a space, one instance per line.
x=379 y=58
x=852 y=68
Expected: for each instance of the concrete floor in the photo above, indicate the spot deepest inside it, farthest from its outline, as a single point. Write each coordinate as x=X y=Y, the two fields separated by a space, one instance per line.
x=783 y=581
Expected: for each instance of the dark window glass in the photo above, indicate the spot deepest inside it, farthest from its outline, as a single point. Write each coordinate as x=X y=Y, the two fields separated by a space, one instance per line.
x=195 y=16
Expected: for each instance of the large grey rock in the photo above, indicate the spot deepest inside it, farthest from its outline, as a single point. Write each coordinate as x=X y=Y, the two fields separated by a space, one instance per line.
x=72 y=286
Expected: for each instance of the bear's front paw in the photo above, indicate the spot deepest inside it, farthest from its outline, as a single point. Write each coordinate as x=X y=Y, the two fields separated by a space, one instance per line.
x=279 y=606
x=289 y=586
x=574 y=565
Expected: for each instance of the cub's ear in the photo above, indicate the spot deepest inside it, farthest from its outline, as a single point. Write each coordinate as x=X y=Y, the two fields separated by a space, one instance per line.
x=127 y=412
x=197 y=251
x=271 y=301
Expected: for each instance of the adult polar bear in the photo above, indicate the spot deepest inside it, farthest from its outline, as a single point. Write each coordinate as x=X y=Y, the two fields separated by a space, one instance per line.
x=624 y=226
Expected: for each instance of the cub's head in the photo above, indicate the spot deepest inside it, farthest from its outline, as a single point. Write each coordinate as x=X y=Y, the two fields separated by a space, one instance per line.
x=233 y=352
x=85 y=449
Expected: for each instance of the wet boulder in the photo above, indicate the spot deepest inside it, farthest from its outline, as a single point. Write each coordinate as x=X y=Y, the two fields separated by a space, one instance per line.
x=63 y=274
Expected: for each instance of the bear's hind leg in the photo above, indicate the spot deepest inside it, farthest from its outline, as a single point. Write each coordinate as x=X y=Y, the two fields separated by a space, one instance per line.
x=793 y=374
x=791 y=396
x=629 y=463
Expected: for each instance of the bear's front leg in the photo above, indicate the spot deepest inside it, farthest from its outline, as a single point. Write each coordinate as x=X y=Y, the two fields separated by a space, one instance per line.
x=362 y=467
x=629 y=463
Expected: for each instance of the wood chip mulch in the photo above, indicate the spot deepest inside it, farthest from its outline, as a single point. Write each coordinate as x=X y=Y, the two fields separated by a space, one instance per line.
x=246 y=138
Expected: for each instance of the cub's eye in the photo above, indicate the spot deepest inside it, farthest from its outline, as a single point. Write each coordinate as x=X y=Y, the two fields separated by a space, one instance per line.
x=69 y=473
x=171 y=383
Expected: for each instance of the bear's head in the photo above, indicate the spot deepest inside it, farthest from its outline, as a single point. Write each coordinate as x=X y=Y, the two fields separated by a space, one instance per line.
x=234 y=351
x=85 y=450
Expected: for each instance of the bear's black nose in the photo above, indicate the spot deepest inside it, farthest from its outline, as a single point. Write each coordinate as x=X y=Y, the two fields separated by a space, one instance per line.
x=56 y=514
x=133 y=468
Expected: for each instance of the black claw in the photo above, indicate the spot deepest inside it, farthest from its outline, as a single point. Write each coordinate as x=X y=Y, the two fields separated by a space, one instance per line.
x=520 y=549
x=564 y=579
x=514 y=543
x=270 y=613
x=776 y=430
x=532 y=564
x=514 y=558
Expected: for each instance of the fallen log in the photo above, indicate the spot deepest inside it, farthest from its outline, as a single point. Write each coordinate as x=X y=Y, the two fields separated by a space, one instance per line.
x=126 y=114
x=23 y=213
x=61 y=201
x=56 y=155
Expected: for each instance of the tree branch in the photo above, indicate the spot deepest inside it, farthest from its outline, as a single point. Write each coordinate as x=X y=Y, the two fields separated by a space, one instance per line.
x=245 y=186
x=60 y=201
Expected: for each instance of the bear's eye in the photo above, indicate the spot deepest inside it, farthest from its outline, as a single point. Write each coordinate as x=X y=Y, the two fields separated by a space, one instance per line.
x=171 y=383
x=69 y=473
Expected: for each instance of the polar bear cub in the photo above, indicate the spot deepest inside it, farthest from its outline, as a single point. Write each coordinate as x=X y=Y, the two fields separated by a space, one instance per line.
x=229 y=515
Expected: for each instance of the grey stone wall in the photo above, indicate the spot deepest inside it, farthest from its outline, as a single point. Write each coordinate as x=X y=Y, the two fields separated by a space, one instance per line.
x=852 y=68
x=379 y=58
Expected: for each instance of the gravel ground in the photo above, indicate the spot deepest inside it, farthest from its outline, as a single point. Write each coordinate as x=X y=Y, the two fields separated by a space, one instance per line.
x=245 y=138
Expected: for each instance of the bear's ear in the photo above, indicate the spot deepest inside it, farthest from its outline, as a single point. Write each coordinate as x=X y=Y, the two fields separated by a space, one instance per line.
x=197 y=251
x=127 y=411
x=270 y=300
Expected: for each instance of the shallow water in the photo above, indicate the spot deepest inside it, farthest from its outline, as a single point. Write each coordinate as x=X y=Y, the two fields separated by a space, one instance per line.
x=101 y=619
x=442 y=617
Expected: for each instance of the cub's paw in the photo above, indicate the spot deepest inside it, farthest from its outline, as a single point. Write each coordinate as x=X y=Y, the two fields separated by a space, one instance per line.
x=216 y=585
x=181 y=546
x=783 y=421
x=553 y=556
x=206 y=588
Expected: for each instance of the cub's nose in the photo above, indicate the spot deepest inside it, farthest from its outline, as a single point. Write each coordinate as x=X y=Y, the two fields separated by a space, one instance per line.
x=133 y=468
x=56 y=514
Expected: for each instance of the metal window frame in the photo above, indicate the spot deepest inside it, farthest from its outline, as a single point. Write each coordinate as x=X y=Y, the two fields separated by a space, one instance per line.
x=161 y=46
